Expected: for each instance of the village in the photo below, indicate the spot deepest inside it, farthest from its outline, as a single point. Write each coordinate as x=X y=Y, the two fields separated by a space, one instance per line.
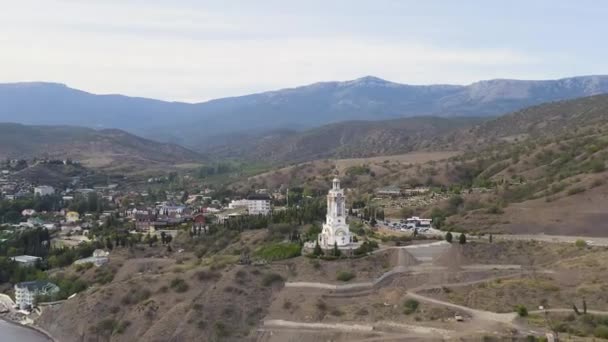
x=109 y=215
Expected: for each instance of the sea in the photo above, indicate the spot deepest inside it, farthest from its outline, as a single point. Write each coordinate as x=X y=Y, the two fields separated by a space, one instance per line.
x=13 y=333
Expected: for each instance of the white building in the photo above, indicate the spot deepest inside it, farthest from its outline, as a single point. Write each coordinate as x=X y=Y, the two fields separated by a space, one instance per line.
x=44 y=190
x=235 y=204
x=28 y=212
x=171 y=210
x=27 y=292
x=335 y=228
x=258 y=204
x=26 y=260
x=99 y=258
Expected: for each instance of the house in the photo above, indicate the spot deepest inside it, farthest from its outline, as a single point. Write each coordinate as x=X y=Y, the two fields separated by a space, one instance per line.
x=27 y=292
x=28 y=212
x=96 y=261
x=26 y=260
x=99 y=253
x=199 y=224
x=172 y=210
x=389 y=191
x=72 y=217
x=235 y=204
x=416 y=191
x=99 y=258
x=258 y=204
x=44 y=190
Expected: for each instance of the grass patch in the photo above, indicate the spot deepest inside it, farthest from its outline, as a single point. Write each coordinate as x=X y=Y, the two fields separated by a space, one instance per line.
x=278 y=251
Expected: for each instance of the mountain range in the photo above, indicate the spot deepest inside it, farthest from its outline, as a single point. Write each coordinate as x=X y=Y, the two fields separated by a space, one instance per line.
x=200 y=125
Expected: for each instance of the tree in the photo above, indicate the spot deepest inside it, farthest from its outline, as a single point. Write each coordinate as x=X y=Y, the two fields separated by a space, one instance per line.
x=584 y=306
x=449 y=237
x=163 y=236
x=109 y=243
x=522 y=311
x=490 y=239
x=317 y=251
x=462 y=239
x=336 y=251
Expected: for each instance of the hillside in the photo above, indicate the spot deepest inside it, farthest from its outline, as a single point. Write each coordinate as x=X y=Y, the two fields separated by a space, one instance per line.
x=95 y=148
x=539 y=170
x=351 y=139
x=367 y=98
x=547 y=120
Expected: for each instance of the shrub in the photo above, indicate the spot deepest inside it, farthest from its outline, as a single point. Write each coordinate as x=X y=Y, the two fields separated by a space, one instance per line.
x=321 y=305
x=336 y=312
x=521 y=310
x=462 y=239
x=449 y=237
x=220 y=329
x=411 y=305
x=207 y=275
x=495 y=209
x=272 y=278
x=580 y=243
x=121 y=327
x=575 y=190
x=601 y=331
x=366 y=247
x=83 y=267
x=135 y=296
x=597 y=165
x=596 y=183
x=179 y=285
x=345 y=275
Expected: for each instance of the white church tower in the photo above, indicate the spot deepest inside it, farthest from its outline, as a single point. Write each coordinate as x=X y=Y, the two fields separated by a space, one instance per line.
x=335 y=228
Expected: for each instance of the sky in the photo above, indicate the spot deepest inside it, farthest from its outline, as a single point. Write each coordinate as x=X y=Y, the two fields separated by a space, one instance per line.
x=188 y=50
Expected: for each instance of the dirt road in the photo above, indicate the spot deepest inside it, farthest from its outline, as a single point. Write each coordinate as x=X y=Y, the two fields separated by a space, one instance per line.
x=593 y=241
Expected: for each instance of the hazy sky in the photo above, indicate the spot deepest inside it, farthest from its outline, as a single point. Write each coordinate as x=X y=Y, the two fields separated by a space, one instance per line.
x=197 y=50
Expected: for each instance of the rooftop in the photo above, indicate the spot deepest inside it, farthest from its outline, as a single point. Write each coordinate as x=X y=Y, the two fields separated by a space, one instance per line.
x=34 y=285
x=25 y=258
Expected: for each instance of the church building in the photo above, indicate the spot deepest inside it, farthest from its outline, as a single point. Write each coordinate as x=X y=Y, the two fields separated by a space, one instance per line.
x=335 y=228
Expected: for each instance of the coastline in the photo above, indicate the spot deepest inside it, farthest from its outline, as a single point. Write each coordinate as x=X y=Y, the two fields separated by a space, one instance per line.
x=32 y=327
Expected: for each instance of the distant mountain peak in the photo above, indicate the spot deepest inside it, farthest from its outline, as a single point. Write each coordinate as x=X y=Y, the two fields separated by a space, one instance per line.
x=368 y=81
x=34 y=84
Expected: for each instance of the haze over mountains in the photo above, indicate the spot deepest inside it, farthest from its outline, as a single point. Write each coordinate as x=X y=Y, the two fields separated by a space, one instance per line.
x=200 y=125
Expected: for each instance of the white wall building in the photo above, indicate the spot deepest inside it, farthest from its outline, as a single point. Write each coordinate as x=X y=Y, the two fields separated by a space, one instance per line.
x=335 y=228
x=44 y=190
x=26 y=292
x=258 y=204
x=235 y=204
